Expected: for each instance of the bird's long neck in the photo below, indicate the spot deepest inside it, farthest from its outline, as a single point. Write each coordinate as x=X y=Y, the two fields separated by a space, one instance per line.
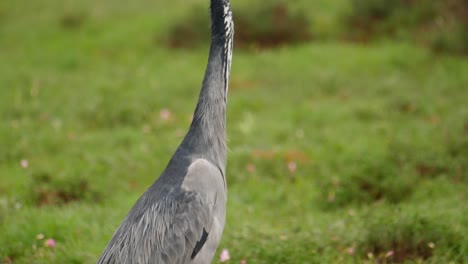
x=207 y=134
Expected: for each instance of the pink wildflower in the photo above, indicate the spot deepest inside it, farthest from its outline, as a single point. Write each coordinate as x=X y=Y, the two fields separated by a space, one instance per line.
x=224 y=255
x=243 y=261
x=292 y=166
x=250 y=168
x=165 y=114
x=50 y=242
x=24 y=163
x=389 y=254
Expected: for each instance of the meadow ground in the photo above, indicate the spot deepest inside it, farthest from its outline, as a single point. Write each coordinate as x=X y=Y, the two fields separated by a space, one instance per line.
x=339 y=153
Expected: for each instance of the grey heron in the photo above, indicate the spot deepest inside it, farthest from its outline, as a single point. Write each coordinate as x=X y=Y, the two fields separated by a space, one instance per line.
x=180 y=217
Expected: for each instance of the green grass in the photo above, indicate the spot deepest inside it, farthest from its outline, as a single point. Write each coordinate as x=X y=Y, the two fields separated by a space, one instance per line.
x=378 y=134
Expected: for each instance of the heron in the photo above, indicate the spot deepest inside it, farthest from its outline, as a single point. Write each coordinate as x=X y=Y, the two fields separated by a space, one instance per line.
x=180 y=218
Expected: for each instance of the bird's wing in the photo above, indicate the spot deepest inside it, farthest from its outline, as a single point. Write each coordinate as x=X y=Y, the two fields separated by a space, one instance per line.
x=172 y=229
x=186 y=233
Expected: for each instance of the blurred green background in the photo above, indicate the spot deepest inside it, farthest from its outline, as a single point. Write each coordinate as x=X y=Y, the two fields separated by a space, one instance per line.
x=347 y=125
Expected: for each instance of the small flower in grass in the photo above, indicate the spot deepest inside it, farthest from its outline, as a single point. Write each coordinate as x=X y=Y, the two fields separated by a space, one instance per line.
x=165 y=114
x=49 y=243
x=40 y=236
x=250 y=168
x=389 y=254
x=350 y=250
x=292 y=166
x=243 y=261
x=224 y=255
x=24 y=163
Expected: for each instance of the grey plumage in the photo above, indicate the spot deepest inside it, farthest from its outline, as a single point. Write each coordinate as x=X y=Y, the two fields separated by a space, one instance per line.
x=180 y=218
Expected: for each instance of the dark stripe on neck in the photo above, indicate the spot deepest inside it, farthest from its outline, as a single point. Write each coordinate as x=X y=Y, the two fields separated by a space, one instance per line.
x=222 y=32
x=218 y=27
